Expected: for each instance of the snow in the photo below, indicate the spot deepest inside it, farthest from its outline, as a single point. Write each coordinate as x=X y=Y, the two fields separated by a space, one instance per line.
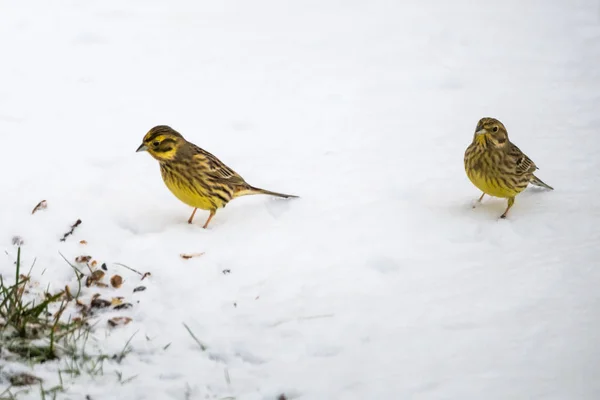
x=381 y=281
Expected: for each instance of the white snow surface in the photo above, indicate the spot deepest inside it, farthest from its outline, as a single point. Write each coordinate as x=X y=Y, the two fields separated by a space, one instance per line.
x=380 y=281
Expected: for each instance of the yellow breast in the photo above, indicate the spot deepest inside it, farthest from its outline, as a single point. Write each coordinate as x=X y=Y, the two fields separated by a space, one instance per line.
x=487 y=175
x=190 y=197
x=491 y=185
x=191 y=193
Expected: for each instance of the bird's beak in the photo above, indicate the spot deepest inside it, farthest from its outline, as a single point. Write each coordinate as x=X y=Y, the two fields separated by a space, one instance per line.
x=142 y=147
x=482 y=131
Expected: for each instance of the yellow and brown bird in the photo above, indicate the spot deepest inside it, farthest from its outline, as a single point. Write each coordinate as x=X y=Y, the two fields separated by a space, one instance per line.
x=496 y=166
x=195 y=176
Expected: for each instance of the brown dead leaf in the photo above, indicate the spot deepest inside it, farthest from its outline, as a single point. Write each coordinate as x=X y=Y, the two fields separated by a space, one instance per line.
x=191 y=255
x=95 y=278
x=40 y=206
x=24 y=379
x=83 y=308
x=98 y=275
x=116 y=281
x=100 y=303
x=83 y=242
x=116 y=321
x=115 y=301
x=83 y=259
x=68 y=294
x=93 y=263
x=91 y=280
x=123 y=306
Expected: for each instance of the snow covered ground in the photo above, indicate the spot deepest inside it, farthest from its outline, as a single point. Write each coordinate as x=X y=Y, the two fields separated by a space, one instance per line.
x=381 y=281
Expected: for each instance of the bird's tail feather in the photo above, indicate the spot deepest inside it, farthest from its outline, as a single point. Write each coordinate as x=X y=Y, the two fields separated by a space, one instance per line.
x=538 y=182
x=250 y=190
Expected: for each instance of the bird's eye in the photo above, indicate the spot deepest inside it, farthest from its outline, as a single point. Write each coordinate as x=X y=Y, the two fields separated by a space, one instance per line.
x=495 y=129
x=155 y=144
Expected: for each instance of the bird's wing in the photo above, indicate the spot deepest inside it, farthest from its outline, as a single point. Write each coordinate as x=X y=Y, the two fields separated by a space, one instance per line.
x=211 y=166
x=523 y=164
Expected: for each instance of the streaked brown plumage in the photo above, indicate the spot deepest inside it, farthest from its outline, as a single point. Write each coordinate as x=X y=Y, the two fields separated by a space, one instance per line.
x=496 y=166
x=193 y=175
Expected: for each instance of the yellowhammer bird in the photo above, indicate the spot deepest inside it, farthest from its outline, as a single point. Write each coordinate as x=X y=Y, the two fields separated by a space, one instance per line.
x=195 y=176
x=496 y=166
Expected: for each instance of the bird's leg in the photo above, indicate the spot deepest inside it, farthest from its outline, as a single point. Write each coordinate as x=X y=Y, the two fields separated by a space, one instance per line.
x=511 y=201
x=192 y=216
x=479 y=201
x=212 y=214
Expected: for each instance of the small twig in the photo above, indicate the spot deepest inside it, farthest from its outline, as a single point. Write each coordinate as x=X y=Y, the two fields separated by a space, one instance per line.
x=202 y=347
x=129 y=268
x=191 y=255
x=75 y=225
x=40 y=206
